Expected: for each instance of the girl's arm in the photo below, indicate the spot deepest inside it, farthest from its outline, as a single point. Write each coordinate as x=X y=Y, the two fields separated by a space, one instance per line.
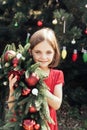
x=12 y=81
x=55 y=100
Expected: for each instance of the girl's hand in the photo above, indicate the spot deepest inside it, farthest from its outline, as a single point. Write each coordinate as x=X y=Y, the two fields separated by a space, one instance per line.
x=12 y=81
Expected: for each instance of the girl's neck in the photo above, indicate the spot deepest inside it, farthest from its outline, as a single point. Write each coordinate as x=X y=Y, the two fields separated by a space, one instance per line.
x=46 y=70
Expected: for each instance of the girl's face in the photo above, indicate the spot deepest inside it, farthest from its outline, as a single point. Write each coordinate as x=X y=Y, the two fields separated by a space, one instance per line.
x=43 y=53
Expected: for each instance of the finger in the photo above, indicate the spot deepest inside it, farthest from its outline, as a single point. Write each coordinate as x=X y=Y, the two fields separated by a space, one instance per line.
x=10 y=77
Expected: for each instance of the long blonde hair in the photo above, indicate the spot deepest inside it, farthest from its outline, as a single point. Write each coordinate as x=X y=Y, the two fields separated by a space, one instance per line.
x=47 y=34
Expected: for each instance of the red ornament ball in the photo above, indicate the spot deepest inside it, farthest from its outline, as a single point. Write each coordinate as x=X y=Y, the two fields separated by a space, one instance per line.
x=40 y=23
x=28 y=124
x=37 y=126
x=9 y=55
x=25 y=92
x=15 y=62
x=32 y=109
x=32 y=80
x=86 y=31
x=16 y=73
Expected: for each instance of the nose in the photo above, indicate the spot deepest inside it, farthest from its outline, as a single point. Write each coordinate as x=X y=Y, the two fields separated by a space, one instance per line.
x=43 y=56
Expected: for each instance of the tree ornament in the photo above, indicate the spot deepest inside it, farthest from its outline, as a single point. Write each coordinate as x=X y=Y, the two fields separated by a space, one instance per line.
x=19 y=55
x=35 y=91
x=16 y=24
x=54 y=21
x=13 y=119
x=27 y=39
x=64 y=26
x=73 y=41
x=82 y=50
x=85 y=56
x=40 y=23
x=32 y=109
x=26 y=91
x=74 y=55
x=15 y=62
x=5 y=83
x=0 y=66
x=9 y=55
x=7 y=64
x=28 y=124
x=85 y=5
x=86 y=31
x=37 y=126
x=32 y=80
x=64 y=52
x=16 y=73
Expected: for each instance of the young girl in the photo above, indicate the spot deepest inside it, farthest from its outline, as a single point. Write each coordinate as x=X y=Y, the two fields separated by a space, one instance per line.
x=45 y=50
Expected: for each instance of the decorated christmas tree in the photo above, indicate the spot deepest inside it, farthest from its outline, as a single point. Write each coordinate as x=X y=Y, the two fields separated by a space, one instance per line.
x=30 y=110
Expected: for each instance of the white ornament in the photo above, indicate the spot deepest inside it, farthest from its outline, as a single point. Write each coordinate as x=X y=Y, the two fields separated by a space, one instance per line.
x=5 y=83
x=73 y=41
x=86 y=6
x=19 y=55
x=54 y=21
x=35 y=91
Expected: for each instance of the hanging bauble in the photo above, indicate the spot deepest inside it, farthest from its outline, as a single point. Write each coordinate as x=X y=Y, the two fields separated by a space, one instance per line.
x=16 y=24
x=17 y=73
x=9 y=55
x=26 y=91
x=40 y=23
x=73 y=41
x=35 y=91
x=86 y=31
x=0 y=66
x=64 y=52
x=7 y=64
x=27 y=39
x=5 y=83
x=13 y=119
x=54 y=21
x=37 y=126
x=19 y=56
x=82 y=50
x=85 y=5
x=28 y=124
x=64 y=26
x=32 y=80
x=85 y=56
x=32 y=109
x=15 y=62
x=74 y=55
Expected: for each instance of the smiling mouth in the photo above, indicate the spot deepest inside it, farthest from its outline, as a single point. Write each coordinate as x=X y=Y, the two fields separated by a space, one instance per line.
x=43 y=61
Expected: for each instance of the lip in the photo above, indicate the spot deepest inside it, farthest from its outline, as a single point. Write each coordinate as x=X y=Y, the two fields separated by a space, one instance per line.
x=43 y=61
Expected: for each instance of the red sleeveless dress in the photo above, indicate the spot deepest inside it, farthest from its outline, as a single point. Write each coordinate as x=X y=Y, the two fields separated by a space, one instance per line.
x=55 y=77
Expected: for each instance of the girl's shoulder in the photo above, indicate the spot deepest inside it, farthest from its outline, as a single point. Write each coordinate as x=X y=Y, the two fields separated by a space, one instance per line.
x=57 y=75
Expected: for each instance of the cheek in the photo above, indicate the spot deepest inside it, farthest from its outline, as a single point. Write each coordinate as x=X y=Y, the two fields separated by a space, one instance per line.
x=35 y=58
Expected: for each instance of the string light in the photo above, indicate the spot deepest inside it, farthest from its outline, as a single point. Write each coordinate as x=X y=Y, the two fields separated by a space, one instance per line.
x=64 y=52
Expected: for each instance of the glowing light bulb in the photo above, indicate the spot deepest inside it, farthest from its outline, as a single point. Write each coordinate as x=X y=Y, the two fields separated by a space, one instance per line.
x=74 y=55
x=64 y=52
x=85 y=56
